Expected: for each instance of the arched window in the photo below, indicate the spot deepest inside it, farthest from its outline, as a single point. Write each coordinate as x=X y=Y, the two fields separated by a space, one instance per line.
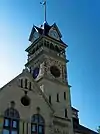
x=11 y=121
x=37 y=124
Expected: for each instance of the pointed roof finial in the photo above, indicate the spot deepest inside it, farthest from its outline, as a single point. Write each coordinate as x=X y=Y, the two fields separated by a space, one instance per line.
x=44 y=3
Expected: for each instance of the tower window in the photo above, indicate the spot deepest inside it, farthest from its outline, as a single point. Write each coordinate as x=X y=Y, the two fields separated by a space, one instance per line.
x=66 y=113
x=57 y=97
x=40 y=44
x=64 y=95
x=51 y=46
x=50 y=99
x=33 y=51
x=25 y=83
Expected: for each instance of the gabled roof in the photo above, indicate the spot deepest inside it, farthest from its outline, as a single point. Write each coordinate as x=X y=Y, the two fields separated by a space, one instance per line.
x=28 y=74
x=35 y=28
x=84 y=130
x=44 y=30
x=32 y=32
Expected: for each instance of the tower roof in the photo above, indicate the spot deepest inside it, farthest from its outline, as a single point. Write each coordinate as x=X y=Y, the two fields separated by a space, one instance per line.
x=44 y=30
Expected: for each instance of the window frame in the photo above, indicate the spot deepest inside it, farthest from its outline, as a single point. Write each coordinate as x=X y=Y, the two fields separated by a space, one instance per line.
x=21 y=83
x=10 y=126
x=64 y=95
x=26 y=83
x=11 y=115
x=58 y=97
x=30 y=86
x=37 y=124
x=66 y=113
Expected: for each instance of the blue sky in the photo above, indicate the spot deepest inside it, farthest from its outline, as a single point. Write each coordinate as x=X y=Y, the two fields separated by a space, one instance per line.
x=79 y=23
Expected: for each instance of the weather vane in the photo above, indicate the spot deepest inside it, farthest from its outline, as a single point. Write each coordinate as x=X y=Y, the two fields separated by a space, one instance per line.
x=44 y=3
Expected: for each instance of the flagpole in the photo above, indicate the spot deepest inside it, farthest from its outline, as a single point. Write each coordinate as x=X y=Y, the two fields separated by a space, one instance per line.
x=45 y=10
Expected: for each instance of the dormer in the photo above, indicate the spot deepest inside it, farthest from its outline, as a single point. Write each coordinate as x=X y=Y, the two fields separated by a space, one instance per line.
x=54 y=32
x=34 y=34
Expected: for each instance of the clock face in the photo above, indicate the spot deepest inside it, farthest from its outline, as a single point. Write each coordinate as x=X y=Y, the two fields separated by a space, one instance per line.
x=54 y=34
x=36 y=35
x=55 y=71
x=35 y=72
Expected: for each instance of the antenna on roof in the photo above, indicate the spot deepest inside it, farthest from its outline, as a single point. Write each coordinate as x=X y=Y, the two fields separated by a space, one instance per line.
x=44 y=3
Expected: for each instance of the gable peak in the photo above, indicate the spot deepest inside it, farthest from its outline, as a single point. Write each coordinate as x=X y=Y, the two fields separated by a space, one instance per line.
x=56 y=27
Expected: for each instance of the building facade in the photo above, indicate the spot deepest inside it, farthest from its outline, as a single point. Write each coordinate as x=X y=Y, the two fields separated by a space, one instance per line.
x=38 y=101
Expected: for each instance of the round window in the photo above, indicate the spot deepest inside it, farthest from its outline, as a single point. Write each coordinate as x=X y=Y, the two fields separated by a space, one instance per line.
x=25 y=100
x=55 y=71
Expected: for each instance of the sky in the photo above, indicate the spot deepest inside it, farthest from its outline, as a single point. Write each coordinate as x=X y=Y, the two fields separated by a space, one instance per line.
x=79 y=23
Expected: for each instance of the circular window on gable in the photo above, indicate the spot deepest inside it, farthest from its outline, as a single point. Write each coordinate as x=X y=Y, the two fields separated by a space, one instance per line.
x=25 y=100
x=55 y=71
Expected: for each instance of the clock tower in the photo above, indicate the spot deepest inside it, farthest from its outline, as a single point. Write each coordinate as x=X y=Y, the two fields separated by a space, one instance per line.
x=46 y=54
x=48 y=65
